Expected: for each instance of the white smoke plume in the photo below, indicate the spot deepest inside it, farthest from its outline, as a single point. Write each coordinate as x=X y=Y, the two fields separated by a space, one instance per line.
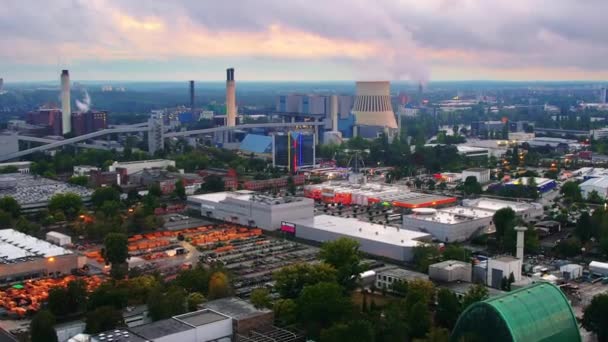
x=85 y=104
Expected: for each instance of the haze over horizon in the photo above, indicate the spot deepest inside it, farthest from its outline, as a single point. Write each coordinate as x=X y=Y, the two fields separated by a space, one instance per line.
x=269 y=40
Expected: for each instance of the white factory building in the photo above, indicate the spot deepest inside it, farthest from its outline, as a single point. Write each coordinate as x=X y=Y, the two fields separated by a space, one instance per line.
x=501 y=267
x=137 y=166
x=525 y=210
x=482 y=175
x=26 y=257
x=375 y=239
x=451 y=224
x=249 y=208
x=595 y=184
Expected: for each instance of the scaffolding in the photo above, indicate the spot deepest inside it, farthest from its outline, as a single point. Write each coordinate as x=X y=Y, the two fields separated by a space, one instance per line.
x=272 y=334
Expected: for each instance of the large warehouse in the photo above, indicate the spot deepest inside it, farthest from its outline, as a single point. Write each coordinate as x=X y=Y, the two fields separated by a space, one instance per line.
x=375 y=239
x=26 y=257
x=33 y=192
x=542 y=184
x=249 y=208
x=599 y=185
x=450 y=224
x=525 y=210
x=372 y=193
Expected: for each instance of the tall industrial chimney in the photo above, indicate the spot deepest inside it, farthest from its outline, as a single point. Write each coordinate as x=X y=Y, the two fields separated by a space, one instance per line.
x=333 y=112
x=230 y=98
x=192 y=96
x=519 y=254
x=1 y=83
x=66 y=111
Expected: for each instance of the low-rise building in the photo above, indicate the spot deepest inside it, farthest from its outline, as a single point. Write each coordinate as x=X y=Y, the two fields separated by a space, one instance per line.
x=84 y=170
x=34 y=192
x=375 y=239
x=503 y=267
x=136 y=166
x=450 y=224
x=543 y=185
x=450 y=271
x=482 y=175
x=387 y=277
x=599 y=185
x=245 y=316
x=26 y=257
x=249 y=208
x=21 y=166
x=526 y=210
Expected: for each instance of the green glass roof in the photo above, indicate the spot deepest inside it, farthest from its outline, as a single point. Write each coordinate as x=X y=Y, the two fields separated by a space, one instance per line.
x=539 y=312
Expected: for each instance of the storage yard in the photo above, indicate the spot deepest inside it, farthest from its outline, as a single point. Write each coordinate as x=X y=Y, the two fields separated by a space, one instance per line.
x=34 y=192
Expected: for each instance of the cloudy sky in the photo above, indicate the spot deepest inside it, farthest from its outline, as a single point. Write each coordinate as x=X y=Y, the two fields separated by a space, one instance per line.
x=304 y=39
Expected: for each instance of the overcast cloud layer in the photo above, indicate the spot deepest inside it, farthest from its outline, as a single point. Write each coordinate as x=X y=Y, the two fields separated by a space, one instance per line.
x=305 y=39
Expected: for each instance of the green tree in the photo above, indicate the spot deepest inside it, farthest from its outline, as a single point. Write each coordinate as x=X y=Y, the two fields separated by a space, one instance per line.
x=354 y=331
x=79 y=180
x=260 y=298
x=568 y=248
x=448 y=309
x=164 y=305
x=155 y=190
x=595 y=318
x=290 y=280
x=504 y=219
x=343 y=254
x=456 y=252
x=424 y=256
x=285 y=311
x=476 y=293
x=102 y=319
x=594 y=197
x=58 y=301
x=194 y=300
x=11 y=206
x=6 y=220
x=436 y=335
x=419 y=290
x=419 y=320
x=116 y=253
x=212 y=183
x=291 y=187
x=42 y=327
x=180 y=190
x=68 y=203
x=105 y=194
x=219 y=286
x=321 y=305
x=471 y=186
x=584 y=227
x=571 y=191
x=76 y=295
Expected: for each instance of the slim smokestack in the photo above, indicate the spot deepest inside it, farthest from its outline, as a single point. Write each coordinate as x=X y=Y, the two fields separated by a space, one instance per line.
x=519 y=254
x=66 y=111
x=192 y=96
x=230 y=98
x=1 y=83
x=333 y=112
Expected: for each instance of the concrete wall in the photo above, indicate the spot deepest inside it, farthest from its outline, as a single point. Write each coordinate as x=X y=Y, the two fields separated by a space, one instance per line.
x=400 y=253
x=513 y=266
x=213 y=331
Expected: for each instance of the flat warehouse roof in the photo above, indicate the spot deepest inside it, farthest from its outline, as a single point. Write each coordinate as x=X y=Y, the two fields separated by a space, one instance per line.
x=15 y=245
x=495 y=205
x=452 y=215
x=364 y=230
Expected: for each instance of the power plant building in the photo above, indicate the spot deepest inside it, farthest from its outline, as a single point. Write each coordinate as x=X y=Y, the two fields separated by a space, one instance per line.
x=89 y=122
x=373 y=106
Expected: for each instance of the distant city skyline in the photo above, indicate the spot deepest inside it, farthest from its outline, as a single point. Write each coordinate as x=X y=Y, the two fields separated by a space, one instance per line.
x=304 y=40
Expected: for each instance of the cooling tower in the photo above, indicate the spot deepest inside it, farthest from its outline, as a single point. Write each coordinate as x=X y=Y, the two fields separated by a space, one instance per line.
x=66 y=111
x=373 y=105
x=230 y=98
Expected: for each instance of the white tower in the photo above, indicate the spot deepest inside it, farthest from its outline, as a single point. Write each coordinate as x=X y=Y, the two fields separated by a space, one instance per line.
x=519 y=254
x=66 y=111
x=230 y=98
